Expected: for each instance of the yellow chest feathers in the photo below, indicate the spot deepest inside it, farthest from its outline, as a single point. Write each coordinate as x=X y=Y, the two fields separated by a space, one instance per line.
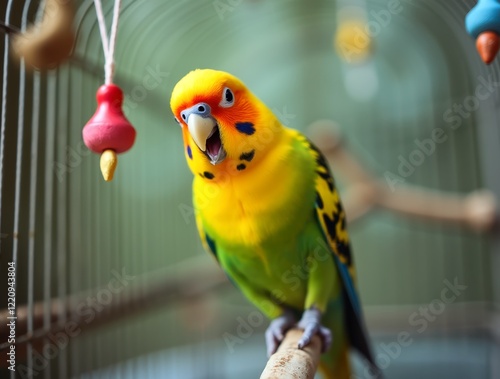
x=251 y=206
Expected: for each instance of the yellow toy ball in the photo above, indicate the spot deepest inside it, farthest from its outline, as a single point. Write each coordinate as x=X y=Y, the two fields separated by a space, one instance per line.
x=353 y=41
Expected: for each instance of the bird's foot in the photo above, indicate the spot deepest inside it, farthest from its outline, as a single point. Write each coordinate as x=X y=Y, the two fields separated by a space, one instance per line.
x=311 y=323
x=277 y=329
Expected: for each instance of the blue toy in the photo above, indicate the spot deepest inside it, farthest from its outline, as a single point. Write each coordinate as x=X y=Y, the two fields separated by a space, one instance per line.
x=483 y=24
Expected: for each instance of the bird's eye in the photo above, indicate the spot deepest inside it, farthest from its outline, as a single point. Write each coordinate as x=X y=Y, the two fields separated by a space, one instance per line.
x=201 y=108
x=184 y=116
x=227 y=98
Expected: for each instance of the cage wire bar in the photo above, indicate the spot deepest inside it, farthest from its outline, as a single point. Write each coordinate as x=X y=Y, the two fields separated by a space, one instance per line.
x=47 y=198
x=32 y=175
x=20 y=138
x=3 y=137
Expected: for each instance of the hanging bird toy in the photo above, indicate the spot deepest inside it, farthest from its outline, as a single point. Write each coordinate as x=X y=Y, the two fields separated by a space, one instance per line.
x=483 y=24
x=108 y=132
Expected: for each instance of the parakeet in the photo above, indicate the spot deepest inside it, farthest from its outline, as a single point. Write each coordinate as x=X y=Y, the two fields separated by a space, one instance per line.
x=268 y=210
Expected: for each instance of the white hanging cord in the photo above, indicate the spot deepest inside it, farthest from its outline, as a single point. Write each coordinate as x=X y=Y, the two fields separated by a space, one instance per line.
x=112 y=37
x=102 y=26
x=108 y=45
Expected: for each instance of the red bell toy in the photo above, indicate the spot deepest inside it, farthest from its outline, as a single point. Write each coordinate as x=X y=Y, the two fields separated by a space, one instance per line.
x=109 y=132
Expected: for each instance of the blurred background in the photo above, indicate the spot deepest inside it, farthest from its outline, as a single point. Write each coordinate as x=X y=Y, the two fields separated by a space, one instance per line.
x=112 y=281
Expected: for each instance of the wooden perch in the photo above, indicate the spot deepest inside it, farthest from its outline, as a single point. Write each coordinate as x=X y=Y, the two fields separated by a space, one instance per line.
x=164 y=287
x=289 y=362
x=477 y=210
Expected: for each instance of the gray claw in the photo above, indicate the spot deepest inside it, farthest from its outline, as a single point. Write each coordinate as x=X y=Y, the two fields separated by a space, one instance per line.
x=276 y=331
x=311 y=323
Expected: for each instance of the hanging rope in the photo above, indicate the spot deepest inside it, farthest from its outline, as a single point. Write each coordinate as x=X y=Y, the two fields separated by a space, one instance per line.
x=108 y=45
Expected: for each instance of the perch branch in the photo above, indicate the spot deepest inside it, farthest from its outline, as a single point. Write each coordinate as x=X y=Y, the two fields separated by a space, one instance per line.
x=477 y=210
x=289 y=362
x=167 y=286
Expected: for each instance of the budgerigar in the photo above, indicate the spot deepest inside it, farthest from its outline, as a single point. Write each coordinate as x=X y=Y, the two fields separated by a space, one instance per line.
x=267 y=208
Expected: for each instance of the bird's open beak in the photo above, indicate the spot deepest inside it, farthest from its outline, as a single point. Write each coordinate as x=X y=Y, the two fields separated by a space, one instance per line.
x=200 y=129
x=205 y=133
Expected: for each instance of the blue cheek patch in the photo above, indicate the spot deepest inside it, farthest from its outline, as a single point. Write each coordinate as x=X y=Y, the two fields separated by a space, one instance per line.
x=245 y=128
x=189 y=152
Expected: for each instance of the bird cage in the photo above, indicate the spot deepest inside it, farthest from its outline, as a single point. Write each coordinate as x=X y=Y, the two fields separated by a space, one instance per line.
x=111 y=280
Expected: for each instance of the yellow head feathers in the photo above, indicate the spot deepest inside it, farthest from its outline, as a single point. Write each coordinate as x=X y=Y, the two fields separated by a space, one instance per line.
x=223 y=123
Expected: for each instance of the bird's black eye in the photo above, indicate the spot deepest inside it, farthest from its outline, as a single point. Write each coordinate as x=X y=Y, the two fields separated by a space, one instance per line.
x=227 y=98
x=201 y=108
x=184 y=116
